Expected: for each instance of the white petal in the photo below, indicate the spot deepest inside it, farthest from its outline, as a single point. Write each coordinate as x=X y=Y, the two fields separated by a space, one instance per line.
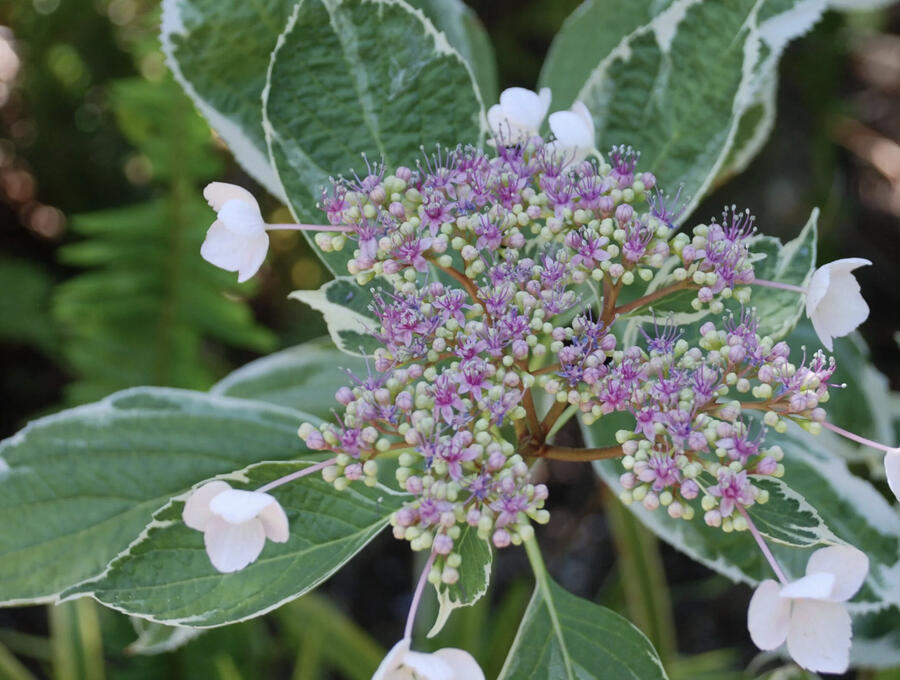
x=275 y=522
x=242 y=218
x=892 y=469
x=571 y=130
x=461 y=662
x=582 y=112
x=820 y=326
x=223 y=248
x=818 y=286
x=768 y=616
x=819 y=636
x=237 y=506
x=816 y=586
x=524 y=107
x=218 y=193
x=196 y=511
x=843 y=307
x=254 y=256
x=393 y=660
x=232 y=547
x=496 y=121
x=428 y=666
x=847 y=564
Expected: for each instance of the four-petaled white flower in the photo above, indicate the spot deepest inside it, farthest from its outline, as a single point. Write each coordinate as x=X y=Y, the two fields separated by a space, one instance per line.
x=519 y=114
x=444 y=664
x=237 y=241
x=574 y=132
x=235 y=523
x=833 y=301
x=809 y=613
x=892 y=470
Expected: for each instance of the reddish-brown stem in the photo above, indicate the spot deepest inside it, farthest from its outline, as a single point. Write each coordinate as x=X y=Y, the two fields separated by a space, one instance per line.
x=555 y=412
x=573 y=454
x=652 y=297
x=610 y=295
x=547 y=369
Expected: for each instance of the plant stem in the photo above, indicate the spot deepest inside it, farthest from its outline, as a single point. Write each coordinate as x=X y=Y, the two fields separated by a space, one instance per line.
x=562 y=420
x=296 y=475
x=782 y=286
x=308 y=227
x=652 y=297
x=762 y=545
x=417 y=596
x=855 y=437
x=579 y=455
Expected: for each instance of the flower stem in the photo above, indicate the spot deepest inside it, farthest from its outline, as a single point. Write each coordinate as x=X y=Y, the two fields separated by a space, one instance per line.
x=855 y=437
x=579 y=455
x=762 y=545
x=308 y=227
x=296 y=475
x=653 y=297
x=783 y=286
x=417 y=596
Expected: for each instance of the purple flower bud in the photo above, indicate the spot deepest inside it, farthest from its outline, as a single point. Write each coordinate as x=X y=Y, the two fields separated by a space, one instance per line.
x=541 y=492
x=501 y=538
x=649 y=180
x=651 y=501
x=377 y=195
x=414 y=485
x=405 y=517
x=520 y=349
x=397 y=210
x=605 y=204
x=344 y=395
x=353 y=471
x=404 y=401
x=766 y=466
x=315 y=441
x=689 y=489
x=713 y=518
x=624 y=213
x=473 y=516
x=705 y=294
x=627 y=480
x=442 y=544
x=403 y=173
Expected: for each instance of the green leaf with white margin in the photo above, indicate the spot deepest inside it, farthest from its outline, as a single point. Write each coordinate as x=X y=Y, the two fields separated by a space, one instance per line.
x=77 y=487
x=304 y=377
x=876 y=640
x=586 y=38
x=675 y=88
x=156 y=638
x=165 y=575
x=778 y=310
x=851 y=509
x=564 y=637
x=466 y=33
x=345 y=307
x=474 y=577
x=351 y=77
x=219 y=51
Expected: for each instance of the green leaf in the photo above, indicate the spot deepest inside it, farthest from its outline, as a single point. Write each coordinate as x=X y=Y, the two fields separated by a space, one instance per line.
x=345 y=307
x=222 y=67
x=166 y=576
x=303 y=377
x=77 y=487
x=563 y=637
x=674 y=89
x=351 y=77
x=464 y=30
x=816 y=477
x=586 y=38
x=25 y=316
x=474 y=577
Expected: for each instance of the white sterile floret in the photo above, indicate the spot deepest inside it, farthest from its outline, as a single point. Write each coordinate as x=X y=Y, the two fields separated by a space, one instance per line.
x=237 y=241
x=808 y=613
x=574 y=132
x=519 y=114
x=892 y=470
x=833 y=301
x=235 y=523
x=444 y=664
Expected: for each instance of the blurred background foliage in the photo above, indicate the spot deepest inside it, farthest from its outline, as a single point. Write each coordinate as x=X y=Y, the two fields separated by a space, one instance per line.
x=102 y=161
